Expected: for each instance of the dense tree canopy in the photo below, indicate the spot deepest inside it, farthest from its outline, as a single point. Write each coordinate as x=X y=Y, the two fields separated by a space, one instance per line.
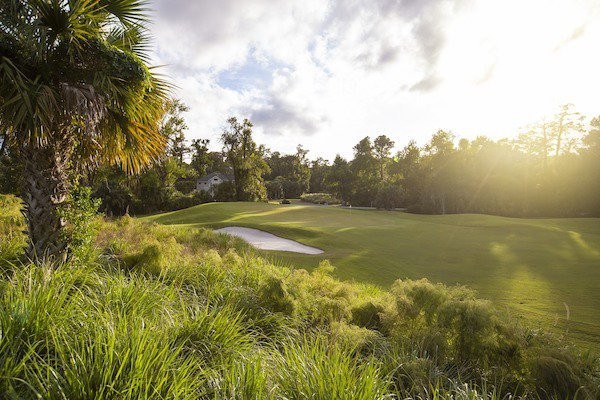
x=289 y=175
x=551 y=169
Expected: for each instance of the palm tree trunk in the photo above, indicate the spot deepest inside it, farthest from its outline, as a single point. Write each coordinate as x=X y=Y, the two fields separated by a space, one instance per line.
x=46 y=186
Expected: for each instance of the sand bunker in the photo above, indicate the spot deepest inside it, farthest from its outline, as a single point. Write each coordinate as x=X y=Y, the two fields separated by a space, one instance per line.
x=267 y=241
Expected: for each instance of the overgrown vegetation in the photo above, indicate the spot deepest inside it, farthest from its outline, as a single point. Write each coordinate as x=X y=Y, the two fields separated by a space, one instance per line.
x=166 y=312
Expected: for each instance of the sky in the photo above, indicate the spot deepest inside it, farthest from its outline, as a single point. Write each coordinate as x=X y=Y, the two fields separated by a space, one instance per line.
x=326 y=73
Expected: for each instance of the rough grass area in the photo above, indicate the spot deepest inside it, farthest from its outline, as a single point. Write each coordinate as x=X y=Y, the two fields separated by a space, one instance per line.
x=12 y=226
x=167 y=312
x=545 y=270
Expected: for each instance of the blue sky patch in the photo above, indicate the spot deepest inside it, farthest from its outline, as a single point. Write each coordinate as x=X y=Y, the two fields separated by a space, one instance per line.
x=253 y=73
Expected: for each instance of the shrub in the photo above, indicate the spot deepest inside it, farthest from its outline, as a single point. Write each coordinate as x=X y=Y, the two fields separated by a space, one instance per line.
x=155 y=258
x=116 y=198
x=448 y=322
x=274 y=295
x=555 y=377
x=81 y=215
x=225 y=191
x=319 y=198
x=320 y=298
x=367 y=315
x=354 y=338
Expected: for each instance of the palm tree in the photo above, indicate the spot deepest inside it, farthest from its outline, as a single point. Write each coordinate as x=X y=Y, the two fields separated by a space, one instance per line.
x=75 y=91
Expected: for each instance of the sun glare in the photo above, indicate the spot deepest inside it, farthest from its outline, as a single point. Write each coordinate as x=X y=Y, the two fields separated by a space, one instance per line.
x=519 y=60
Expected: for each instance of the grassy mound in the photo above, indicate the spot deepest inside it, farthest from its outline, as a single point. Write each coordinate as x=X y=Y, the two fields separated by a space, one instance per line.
x=176 y=313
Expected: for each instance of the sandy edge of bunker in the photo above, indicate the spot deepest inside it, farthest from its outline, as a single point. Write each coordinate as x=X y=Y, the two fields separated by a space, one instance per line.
x=267 y=241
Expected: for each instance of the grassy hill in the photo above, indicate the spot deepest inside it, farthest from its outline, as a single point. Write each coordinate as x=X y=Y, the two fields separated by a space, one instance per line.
x=544 y=269
x=149 y=311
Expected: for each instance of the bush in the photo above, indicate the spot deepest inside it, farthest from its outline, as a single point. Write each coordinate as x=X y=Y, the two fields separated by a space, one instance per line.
x=319 y=198
x=179 y=201
x=555 y=377
x=225 y=191
x=116 y=198
x=185 y=185
x=81 y=214
x=274 y=295
x=449 y=323
x=367 y=315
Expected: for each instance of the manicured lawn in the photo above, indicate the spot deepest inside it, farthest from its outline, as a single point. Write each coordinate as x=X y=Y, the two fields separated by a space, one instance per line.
x=538 y=268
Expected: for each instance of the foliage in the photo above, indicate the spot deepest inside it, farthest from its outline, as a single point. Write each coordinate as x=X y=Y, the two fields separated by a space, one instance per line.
x=382 y=148
x=533 y=175
x=319 y=198
x=172 y=127
x=12 y=226
x=184 y=313
x=327 y=371
x=365 y=174
x=80 y=213
x=75 y=92
x=389 y=197
x=246 y=160
x=340 y=179
x=225 y=191
x=10 y=168
x=289 y=175
x=116 y=197
x=318 y=175
x=166 y=185
x=200 y=157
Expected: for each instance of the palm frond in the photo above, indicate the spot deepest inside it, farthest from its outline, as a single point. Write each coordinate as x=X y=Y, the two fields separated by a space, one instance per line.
x=27 y=106
x=79 y=66
x=128 y=12
x=132 y=39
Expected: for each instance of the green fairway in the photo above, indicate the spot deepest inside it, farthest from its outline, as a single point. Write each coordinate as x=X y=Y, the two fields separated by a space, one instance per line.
x=539 y=268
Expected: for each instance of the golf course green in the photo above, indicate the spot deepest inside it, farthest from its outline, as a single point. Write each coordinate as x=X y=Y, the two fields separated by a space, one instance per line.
x=544 y=271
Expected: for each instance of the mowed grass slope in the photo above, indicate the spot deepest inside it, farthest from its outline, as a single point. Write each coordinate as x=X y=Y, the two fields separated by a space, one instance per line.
x=547 y=270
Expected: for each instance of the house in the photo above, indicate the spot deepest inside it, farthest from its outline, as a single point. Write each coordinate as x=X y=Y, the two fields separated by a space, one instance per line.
x=209 y=182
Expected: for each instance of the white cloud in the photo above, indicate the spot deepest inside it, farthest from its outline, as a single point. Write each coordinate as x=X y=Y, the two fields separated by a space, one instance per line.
x=327 y=73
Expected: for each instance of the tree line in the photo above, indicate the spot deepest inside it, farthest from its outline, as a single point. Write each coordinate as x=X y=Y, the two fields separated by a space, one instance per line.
x=550 y=169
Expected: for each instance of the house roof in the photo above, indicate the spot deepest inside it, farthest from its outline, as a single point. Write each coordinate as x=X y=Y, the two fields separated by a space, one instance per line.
x=212 y=175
